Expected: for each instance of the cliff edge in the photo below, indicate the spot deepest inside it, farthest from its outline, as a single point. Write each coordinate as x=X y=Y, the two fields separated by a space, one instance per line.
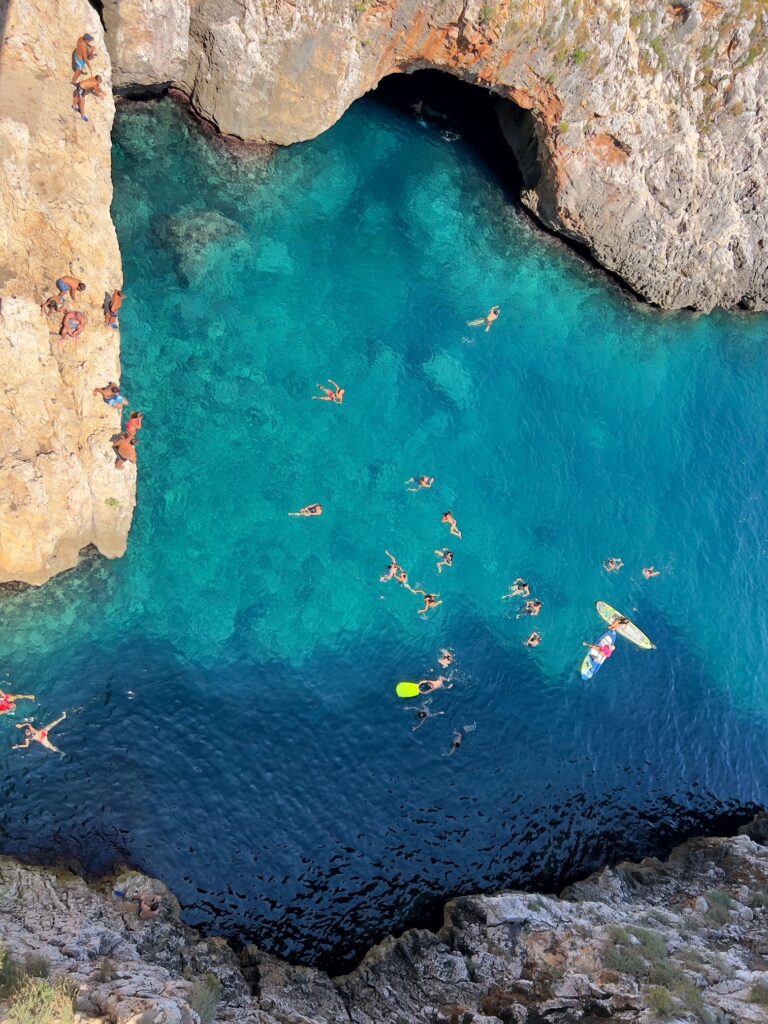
x=639 y=127
x=682 y=939
x=59 y=490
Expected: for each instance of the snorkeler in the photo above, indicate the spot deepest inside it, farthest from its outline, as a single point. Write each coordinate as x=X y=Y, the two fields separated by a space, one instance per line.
x=449 y=519
x=613 y=565
x=430 y=601
x=518 y=589
x=493 y=314
x=422 y=482
x=533 y=640
x=39 y=735
x=8 y=701
x=446 y=559
x=423 y=713
x=332 y=394
x=458 y=737
x=530 y=608
x=441 y=683
x=445 y=659
x=650 y=572
x=308 y=510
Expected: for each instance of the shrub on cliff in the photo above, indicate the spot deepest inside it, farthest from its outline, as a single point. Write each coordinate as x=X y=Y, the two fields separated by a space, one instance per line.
x=40 y=1002
x=205 y=996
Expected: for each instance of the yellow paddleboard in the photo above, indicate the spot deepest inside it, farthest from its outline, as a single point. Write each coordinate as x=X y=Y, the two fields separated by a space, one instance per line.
x=629 y=631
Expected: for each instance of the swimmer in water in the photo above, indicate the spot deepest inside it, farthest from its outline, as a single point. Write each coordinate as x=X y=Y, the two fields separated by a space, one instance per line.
x=430 y=601
x=402 y=578
x=441 y=683
x=422 y=483
x=423 y=713
x=518 y=589
x=530 y=608
x=450 y=521
x=331 y=394
x=613 y=565
x=650 y=572
x=458 y=737
x=493 y=314
x=393 y=569
x=445 y=659
x=308 y=510
x=8 y=701
x=533 y=640
x=446 y=559
x=39 y=735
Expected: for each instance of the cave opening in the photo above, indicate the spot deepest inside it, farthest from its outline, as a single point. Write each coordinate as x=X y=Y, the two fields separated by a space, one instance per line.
x=500 y=132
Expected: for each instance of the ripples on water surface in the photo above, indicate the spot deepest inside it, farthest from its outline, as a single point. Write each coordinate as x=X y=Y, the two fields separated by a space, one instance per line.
x=233 y=724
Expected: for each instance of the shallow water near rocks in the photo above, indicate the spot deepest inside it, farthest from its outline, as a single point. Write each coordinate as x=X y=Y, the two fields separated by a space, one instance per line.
x=233 y=727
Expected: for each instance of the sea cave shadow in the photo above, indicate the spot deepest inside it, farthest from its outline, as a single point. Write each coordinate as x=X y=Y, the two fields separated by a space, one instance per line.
x=540 y=842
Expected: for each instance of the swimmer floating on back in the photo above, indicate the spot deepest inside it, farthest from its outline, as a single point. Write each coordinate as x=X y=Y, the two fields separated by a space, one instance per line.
x=331 y=394
x=8 y=701
x=39 y=735
x=518 y=589
x=422 y=482
x=308 y=510
x=423 y=713
x=493 y=314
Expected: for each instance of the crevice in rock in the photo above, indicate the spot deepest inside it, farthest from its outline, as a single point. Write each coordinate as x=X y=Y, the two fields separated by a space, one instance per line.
x=98 y=6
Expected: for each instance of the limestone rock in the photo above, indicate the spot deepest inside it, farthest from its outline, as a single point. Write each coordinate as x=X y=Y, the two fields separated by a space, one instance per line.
x=59 y=491
x=638 y=126
x=601 y=950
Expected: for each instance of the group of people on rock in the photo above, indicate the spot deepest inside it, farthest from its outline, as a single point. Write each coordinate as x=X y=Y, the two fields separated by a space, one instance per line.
x=90 y=85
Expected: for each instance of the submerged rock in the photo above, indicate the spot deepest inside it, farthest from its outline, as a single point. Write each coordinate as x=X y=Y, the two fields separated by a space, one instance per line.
x=638 y=942
x=199 y=239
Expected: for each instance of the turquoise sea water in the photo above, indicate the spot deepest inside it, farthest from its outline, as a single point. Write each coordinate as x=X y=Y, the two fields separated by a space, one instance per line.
x=233 y=727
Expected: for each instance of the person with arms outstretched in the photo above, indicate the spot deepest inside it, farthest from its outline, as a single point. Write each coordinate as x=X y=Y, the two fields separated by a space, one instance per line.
x=39 y=735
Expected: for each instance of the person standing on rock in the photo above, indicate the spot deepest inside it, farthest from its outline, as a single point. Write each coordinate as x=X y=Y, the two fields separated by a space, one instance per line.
x=125 y=451
x=82 y=55
x=113 y=308
x=68 y=286
x=39 y=735
x=72 y=325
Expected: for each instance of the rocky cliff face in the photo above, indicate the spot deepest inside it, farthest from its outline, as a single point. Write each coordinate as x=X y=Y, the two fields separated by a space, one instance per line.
x=640 y=126
x=59 y=490
x=683 y=939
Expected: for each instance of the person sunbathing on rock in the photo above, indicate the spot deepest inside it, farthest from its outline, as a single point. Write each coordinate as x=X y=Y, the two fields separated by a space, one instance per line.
x=39 y=735
x=72 y=326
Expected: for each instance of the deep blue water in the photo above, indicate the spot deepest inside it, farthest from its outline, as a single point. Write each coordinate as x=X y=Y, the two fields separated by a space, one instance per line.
x=233 y=727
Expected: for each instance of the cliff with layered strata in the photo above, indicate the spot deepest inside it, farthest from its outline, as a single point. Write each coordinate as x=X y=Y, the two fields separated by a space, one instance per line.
x=639 y=126
x=59 y=491
x=683 y=939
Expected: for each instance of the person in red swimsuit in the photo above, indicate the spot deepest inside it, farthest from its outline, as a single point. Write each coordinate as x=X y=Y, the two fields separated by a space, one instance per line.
x=134 y=423
x=8 y=701
x=39 y=735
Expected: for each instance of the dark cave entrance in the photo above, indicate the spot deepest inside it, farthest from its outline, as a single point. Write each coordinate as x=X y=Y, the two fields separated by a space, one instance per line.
x=501 y=133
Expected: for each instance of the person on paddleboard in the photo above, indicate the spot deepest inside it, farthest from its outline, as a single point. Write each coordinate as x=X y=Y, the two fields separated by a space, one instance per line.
x=605 y=650
x=619 y=620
